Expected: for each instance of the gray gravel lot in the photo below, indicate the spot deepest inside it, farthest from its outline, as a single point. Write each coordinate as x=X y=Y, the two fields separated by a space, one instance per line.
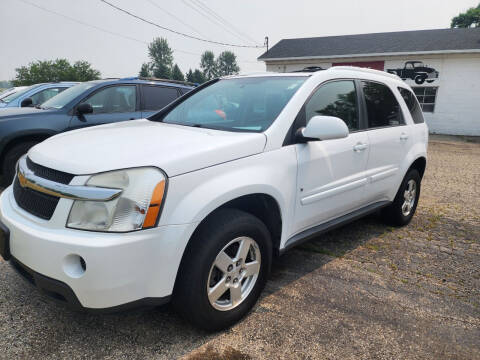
x=365 y=291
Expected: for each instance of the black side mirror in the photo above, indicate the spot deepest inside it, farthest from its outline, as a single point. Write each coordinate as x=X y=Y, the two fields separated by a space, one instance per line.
x=84 y=108
x=26 y=102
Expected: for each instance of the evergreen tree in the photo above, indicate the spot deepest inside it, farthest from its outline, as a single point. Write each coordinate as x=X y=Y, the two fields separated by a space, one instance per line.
x=161 y=56
x=227 y=64
x=177 y=73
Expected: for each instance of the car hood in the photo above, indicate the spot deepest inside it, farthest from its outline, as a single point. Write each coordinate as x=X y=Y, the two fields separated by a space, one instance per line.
x=173 y=148
x=16 y=112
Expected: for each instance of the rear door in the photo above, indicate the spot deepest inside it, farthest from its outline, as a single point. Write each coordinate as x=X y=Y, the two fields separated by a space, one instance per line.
x=331 y=173
x=389 y=138
x=110 y=104
x=156 y=97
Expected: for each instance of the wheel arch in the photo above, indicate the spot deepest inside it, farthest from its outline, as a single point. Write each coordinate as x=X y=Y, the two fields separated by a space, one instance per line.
x=261 y=205
x=24 y=137
x=420 y=165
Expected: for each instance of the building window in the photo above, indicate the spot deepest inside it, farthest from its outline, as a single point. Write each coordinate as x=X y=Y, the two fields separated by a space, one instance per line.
x=426 y=97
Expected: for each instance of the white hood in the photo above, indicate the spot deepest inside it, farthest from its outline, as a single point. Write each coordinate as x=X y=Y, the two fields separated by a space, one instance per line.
x=175 y=149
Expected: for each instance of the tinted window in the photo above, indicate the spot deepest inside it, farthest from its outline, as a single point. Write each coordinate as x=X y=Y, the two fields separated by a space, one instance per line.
x=382 y=106
x=184 y=90
x=156 y=97
x=44 y=95
x=237 y=104
x=114 y=99
x=338 y=99
x=412 y=105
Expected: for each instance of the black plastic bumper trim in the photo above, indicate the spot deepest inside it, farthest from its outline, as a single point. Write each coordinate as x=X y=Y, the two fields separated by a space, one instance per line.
x=5 y=242
x=62 y=293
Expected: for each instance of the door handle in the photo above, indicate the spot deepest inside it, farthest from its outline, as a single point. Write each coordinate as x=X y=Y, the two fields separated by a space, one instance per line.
x=360 y=147
x=403 y=137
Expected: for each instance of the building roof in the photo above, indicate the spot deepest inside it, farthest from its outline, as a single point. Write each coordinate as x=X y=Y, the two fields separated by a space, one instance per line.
x=403 y=42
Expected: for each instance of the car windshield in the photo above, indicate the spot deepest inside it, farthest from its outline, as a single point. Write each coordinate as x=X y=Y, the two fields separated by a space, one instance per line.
x=16 y=95
x=238 y=104
x=62 y=99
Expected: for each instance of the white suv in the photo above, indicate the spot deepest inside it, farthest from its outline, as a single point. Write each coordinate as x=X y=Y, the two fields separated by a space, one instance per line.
x=192 y=204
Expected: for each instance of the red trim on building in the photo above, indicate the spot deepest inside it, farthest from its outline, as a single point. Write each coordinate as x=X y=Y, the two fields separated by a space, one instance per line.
x=377 y=65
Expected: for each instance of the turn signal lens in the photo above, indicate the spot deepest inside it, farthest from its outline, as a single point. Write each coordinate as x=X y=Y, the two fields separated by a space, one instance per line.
x=154 y=208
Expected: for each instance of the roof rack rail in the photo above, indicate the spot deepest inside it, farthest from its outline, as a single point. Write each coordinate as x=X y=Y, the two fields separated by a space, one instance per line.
x=310 y=69
x=164 y=80
x=366 y=70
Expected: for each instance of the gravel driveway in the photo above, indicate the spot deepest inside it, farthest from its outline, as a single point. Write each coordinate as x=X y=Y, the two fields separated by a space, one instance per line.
x=365 y=291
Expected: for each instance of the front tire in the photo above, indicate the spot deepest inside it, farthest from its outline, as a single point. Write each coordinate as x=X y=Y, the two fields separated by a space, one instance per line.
x=224 y=270
x=401 y=211
x=10 y=161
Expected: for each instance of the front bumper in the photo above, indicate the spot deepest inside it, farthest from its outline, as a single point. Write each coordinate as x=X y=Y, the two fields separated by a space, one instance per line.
x=119 y=269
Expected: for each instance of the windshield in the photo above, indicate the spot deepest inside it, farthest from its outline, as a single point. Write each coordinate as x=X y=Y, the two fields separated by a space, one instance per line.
x=16 y=95
x=239 y=104
x=62 y=99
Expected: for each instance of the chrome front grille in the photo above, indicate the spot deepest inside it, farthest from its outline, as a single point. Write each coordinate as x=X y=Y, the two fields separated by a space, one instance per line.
x=34 y=202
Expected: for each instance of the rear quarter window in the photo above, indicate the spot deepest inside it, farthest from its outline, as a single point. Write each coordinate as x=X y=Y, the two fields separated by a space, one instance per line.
x=157 y=97
x=412 y=104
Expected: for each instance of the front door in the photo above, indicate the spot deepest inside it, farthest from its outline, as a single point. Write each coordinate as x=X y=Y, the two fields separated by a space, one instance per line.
x=331 y=173
x=110 y=104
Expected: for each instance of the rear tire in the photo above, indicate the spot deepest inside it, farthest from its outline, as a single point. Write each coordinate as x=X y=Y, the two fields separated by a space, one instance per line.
x=401 y=211
x=193 y=295
x=10 y=161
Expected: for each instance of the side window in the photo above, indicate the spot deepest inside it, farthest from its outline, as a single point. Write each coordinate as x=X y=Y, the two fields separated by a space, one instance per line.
x=382 y=106
x=114 y=99
x=46 y=94
x=184 y=90
x=156 y=97
x=412 y=105
x=336 y=98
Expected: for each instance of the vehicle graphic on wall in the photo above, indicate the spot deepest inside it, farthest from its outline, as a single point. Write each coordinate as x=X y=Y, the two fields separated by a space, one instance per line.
x=416 y=71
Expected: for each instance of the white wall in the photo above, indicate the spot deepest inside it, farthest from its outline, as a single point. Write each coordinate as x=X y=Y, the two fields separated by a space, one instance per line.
x=457 y=107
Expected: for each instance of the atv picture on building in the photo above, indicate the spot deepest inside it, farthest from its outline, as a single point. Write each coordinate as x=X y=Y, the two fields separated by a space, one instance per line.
x=417 y=71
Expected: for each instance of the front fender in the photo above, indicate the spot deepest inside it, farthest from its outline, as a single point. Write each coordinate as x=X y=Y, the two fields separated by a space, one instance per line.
x=193 y=196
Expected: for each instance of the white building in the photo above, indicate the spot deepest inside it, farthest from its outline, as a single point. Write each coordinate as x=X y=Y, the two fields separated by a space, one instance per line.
x=442 y=66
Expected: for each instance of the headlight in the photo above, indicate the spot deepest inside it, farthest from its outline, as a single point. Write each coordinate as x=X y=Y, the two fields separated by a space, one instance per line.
x=137 y=207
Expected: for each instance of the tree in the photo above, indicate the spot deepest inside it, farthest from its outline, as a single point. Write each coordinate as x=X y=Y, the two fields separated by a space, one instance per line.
x=227 y=64
x=470 y=18
x=196 y=76
x=209 y=65
x=145 y=71
x=161 y=56
x=53 y=71
x=82 y=71
x=177 y=73
x=189 y=76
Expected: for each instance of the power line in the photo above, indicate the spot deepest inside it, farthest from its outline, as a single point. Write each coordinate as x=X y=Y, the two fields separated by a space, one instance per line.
x=175 y=17
x=98 y=28
x=198 y=9
x=176 y=32
x=224 y=21
x=111 y=32
x=83 y=23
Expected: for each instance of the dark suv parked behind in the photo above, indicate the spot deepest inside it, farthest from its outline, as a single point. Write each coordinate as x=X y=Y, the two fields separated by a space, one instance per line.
x=86 y=104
